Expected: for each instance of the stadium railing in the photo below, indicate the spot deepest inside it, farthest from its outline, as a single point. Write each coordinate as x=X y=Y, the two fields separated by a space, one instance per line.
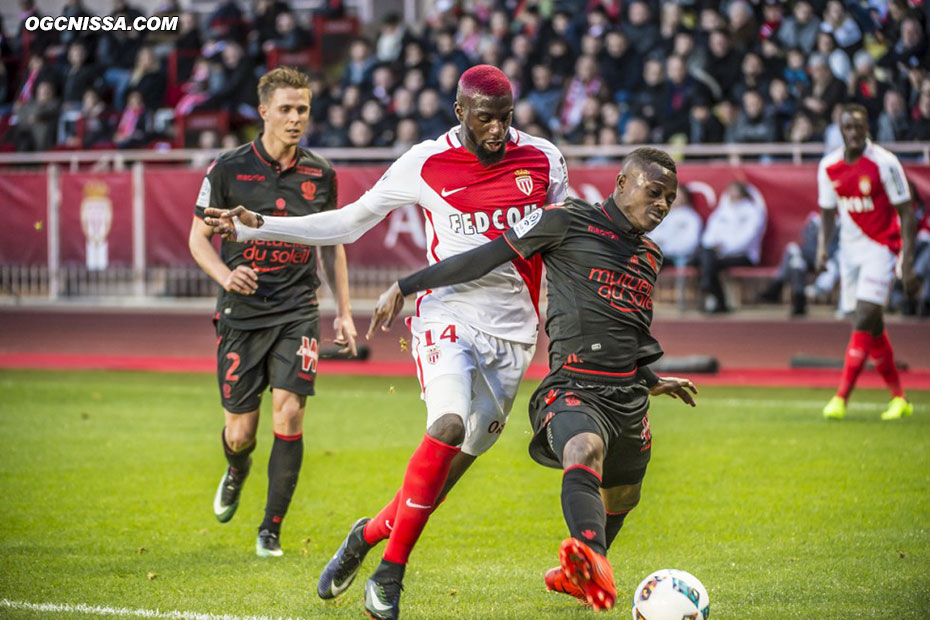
x=136 y=280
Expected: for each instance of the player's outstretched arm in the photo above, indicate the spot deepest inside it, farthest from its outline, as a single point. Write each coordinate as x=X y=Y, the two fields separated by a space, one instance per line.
x=335 y=227
x=463 y=267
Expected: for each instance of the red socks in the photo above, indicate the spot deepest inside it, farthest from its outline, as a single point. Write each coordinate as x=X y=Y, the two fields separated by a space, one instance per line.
x=880 y=349
x=380 y=527
x=423 y=481
x=857 y=352
x=861 y=345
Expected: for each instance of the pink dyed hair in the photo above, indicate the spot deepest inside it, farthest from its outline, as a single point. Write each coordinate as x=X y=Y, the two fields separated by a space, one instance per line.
x=486 y=81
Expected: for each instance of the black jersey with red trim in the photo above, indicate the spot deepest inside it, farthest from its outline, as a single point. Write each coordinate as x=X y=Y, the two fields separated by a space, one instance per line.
x=600 y=273
x=287 y=272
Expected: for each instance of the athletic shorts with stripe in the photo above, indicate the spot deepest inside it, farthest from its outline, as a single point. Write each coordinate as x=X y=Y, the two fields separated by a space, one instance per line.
x=282 y=356
x=615 y=409
x=476 y=371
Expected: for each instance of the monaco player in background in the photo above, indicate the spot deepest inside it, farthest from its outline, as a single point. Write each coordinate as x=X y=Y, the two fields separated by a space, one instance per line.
x=866 y=183
x=472 y=342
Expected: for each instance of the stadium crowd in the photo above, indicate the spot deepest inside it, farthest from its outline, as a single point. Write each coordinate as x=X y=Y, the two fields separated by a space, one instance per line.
x=596 y=72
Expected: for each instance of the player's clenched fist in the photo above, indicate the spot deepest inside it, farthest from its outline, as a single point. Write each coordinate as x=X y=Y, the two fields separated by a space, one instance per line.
x=388 y=307
x=242 y=280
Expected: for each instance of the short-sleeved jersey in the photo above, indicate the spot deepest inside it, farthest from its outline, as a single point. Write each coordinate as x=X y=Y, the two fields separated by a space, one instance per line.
x=287 y=272
x=600 y=274
x=467 y=204
x=865 y=193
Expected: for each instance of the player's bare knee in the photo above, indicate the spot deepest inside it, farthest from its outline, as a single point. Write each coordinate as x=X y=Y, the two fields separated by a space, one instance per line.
x=584 y=449
x=288 y=416
x=621 y=499
x=238 y=439
x=449 y=429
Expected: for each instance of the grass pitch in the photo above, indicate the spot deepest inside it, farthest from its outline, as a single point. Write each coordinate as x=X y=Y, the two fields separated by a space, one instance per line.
x=107 y=481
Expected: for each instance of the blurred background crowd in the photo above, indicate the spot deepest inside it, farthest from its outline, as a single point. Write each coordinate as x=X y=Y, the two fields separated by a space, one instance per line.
x=594 y=72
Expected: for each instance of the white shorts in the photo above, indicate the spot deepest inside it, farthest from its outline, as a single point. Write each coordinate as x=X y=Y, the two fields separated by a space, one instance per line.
x=488 y=372
x=867 y=274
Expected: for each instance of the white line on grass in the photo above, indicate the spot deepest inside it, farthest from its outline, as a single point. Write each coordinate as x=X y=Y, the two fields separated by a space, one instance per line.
x=785 y=404
x=65 y=608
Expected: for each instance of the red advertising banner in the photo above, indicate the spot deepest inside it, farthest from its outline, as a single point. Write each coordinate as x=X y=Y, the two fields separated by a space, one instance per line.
x=24 y=234
x=96 y=211
x=96 y=219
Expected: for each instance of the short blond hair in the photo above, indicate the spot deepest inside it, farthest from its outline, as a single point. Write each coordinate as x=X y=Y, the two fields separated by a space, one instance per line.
x=282 y=77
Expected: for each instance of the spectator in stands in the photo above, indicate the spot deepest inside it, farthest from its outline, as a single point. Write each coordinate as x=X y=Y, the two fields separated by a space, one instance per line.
x=132 y=129
x=447 y=86
x=196 y=90
x=188 y=43
x=447 y=52
x=865 y=87
x=679 y=233
x=433 y=121
x=382 y=132
x=772 y=17
x=544 y=96
x=802 y=130
x=743 y=30
x=264 y=23
x=499 y=34
x=611 y=116
x=619 y=65
x=382 y=83
x=37 y=71
x=589 y=124
x=35 y=41
x=680 y=92
x=226 y=22
x=408 y=134
x=289 y=35
x=37 y=120
x=824 y=92
x=97 y=121
x=414 y=59
x=79 y=76
x=920 y=125
x=468 y=37
x=893 y=123
x=752 y=77
x=163 y=41
x=524 y=115
x=795 y=74
x=840 y=24
x=801 y=28
x=360 y=64
x=335 y=131
x=392 y=35
x=403 y=105
x=117 y=51
x=910 y=49
x=586 y=83
x=669 y=26
x=360 y=134
x=723 y=62
x=515 y=72
x=783 y=107
x=732 y=238
x=640 y=28
x=76 y=9
x=798 y=262
x=773 y=57
x=637 y=131
x=232 y=83
x=703 y=126
x=414 y=80
x=649 y=99
x=147 y=78
x=754 y=122
x=837 y=59
x=922 y=262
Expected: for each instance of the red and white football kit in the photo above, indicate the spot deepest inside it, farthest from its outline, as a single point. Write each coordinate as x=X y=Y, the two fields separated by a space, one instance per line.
x=482 y=333
x=865 y=193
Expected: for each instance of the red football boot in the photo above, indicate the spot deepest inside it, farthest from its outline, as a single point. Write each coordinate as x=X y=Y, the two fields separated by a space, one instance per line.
x=590 y=572
x=556 y=581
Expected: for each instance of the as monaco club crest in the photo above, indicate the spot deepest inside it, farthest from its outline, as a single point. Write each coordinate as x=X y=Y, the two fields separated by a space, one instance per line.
x=432 y=355
x=524 y=181
x=96 y=220
x=865 y=186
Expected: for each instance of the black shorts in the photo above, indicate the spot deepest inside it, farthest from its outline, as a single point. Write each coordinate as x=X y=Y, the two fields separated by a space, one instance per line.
x=617 y=411
x=282 y=356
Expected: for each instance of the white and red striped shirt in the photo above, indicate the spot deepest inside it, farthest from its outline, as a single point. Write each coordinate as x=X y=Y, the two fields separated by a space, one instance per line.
x=865 y=192
x=466 y=205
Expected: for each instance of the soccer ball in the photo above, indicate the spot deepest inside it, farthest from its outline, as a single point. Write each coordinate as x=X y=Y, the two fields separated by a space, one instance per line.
x=671 y=594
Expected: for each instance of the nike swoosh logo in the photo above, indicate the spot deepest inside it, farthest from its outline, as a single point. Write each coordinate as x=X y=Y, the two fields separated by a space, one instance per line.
x=375 y=601
x=421 y=507
x=445 y=193
x=388 y=525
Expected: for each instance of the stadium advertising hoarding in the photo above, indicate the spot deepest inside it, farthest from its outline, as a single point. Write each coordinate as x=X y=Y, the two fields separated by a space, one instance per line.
x=96 y=216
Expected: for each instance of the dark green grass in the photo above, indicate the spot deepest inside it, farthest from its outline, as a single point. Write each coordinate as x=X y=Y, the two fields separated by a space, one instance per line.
x=107 y=479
